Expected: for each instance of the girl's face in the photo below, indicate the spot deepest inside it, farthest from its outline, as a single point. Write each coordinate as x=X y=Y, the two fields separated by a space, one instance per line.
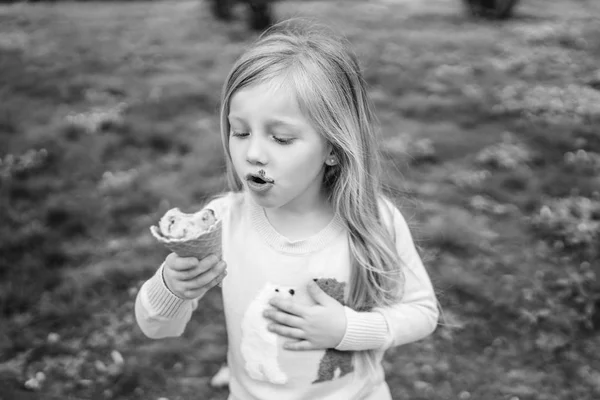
x=276 y=153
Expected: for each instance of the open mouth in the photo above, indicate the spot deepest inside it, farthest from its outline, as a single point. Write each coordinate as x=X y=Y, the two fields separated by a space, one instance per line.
x=259 y=179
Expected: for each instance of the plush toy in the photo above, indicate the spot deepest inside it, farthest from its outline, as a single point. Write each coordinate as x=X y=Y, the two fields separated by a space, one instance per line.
x=259 y=346
x=333 y=359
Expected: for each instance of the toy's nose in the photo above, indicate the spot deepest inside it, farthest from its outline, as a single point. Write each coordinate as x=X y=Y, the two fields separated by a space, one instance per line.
x=292 y=292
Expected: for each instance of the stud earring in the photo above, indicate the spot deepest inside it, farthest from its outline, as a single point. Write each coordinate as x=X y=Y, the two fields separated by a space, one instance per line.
x=331 y=161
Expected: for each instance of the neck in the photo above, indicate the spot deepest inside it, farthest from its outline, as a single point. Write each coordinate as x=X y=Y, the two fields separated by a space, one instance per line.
x=301 y=223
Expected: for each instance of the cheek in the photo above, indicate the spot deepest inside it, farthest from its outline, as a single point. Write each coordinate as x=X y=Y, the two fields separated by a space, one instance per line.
x=305 y=161
x=236 y=162
x=310 y=166
x=234 y=151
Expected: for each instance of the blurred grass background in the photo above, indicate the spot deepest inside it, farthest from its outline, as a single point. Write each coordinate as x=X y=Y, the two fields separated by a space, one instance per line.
x=108 y=117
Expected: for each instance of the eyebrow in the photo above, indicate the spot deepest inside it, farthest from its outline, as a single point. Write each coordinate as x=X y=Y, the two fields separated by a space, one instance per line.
x=273 y=122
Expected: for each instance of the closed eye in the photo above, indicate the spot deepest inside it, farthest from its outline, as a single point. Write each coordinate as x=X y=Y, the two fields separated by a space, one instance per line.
x=239 y=134
x=283 y=141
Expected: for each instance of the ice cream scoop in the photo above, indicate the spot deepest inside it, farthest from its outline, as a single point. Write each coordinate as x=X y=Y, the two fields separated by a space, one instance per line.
x=190 y=235
x=179 y=225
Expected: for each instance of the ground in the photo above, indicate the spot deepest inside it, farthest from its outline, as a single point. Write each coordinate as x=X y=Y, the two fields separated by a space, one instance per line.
x=108 y=117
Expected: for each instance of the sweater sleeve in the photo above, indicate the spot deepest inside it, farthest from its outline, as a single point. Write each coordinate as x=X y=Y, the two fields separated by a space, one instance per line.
x=413 y=318
x=159 y=312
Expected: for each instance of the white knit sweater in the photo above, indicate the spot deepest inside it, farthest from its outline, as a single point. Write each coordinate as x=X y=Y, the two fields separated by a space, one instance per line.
x=258 y=256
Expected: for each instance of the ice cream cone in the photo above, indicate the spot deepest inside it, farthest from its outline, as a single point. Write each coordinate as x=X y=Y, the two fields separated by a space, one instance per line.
x=201 y=246
x=190 y=235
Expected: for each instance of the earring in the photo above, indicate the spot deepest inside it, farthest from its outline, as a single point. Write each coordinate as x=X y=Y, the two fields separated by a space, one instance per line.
x=331 y=161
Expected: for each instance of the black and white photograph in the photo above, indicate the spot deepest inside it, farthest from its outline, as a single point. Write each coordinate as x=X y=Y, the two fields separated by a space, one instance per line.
x=299 y=199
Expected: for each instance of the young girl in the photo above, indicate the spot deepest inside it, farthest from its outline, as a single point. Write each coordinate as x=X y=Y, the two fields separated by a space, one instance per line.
x=322 y=272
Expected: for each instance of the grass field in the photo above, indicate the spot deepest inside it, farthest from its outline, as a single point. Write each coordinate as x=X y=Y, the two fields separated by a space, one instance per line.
x=108 y=117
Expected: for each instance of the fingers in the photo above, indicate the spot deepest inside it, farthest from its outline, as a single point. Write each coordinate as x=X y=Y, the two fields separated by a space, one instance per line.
x=289 y=307
x=191 y=274
x=177 y=263
x=293 y=333
x=205 y=278
x=198 y=292
x=299 y=345
x=317 y=294
x=284 y=318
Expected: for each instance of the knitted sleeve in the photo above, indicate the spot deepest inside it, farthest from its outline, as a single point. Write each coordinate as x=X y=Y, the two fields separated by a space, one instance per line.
x=158 y=311
x=413 y=318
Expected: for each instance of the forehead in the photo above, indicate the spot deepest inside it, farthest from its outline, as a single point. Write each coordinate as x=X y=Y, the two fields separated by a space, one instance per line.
x=265 y=100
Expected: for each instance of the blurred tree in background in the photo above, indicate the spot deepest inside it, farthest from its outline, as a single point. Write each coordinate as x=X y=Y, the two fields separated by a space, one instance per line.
x=493 y=9
x=260 y=12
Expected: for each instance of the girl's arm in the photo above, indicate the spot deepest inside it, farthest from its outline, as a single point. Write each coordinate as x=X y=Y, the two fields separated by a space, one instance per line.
x=159 y=312
x=413 y=318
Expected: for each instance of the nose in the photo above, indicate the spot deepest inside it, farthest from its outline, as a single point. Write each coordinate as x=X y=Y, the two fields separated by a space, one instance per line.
x=256 y=152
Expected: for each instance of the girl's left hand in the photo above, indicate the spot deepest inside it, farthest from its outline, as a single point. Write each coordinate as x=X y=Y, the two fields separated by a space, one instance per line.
x=313 y=327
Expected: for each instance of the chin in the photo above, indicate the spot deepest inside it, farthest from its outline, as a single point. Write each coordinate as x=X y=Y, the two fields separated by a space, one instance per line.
x=264 y=201
x=268 y=202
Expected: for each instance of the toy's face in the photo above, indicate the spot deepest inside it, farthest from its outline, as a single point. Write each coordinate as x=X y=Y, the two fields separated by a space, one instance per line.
x=328 y=285
x=283 y=292
x=332 y=287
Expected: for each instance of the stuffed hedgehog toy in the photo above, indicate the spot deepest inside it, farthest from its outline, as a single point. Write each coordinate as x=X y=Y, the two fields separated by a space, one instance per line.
x=333 y=359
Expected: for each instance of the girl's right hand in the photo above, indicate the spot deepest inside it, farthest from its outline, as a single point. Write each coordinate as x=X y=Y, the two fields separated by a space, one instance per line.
x=189 y=278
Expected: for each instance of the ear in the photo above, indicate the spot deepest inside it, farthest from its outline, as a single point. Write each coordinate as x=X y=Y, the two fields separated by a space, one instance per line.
x=331 y=159
x=328 y=150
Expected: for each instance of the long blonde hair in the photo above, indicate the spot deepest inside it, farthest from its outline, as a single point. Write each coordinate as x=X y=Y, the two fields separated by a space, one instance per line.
x=326 y=77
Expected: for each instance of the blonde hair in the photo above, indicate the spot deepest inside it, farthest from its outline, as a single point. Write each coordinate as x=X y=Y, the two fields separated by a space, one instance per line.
x=326 y=77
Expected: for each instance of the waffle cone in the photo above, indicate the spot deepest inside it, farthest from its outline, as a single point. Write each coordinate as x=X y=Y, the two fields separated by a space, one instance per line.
x=204 y=244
